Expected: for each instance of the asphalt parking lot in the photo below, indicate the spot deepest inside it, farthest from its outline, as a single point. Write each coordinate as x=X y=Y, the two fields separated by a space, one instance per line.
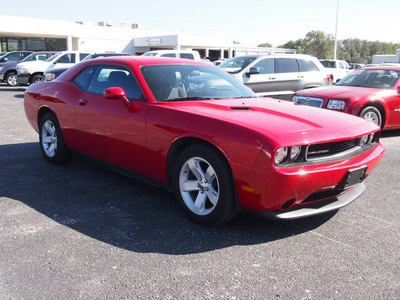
x=79 y=231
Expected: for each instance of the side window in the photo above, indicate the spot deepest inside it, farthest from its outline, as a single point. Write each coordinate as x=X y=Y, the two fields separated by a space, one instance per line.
x=13 y=57
x=287 y=65
x=40 y=57
x=82 y=56
x=307 y=65
x=113 y=76
x=187 y=55
x=82 y=79
x=168 y=55
x=67 y=59
x=341 y=65
x=266 y=66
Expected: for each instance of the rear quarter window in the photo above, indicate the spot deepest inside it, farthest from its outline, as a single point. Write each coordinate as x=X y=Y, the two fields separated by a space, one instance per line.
x=82 y=79
x=307 y=65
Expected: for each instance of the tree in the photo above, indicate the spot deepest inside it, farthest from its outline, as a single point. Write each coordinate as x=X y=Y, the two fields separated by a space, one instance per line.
x=268 y=45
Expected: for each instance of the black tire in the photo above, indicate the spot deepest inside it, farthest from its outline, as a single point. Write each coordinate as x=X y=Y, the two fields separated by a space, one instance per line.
x=372 y=114
x=10 y=79
x=202 y=174
x=37 y=78
x=51 y=140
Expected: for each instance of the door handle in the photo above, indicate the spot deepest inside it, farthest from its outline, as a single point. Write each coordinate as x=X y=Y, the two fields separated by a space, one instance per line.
x=83 y=102
x=272 y=78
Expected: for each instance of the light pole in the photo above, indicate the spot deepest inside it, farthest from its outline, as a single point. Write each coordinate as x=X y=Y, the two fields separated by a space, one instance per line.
x=337 y=14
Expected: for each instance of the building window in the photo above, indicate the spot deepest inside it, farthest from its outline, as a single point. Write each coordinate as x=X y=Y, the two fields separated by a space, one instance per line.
x=32 y=44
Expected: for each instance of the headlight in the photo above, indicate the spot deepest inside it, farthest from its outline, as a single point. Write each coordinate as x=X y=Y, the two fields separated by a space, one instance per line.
x=367 y=139
x=49 y=76
x=280 y=155
x=336 y=104
x=22 y=71
x=295 y=152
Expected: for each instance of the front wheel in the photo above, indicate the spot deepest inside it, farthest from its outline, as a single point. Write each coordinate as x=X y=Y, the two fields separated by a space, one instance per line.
x=51 y=140
x=11 y=80
x=372 y=114
x=37 y=78
x=203 y=186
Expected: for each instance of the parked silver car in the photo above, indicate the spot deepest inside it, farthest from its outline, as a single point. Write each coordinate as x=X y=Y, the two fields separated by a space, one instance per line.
x=277 y=75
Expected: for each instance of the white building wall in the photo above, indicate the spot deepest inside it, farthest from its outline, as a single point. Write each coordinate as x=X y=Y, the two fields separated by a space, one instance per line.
x=393 y=58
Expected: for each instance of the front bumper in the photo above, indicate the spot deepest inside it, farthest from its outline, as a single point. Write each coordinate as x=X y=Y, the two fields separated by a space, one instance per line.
x=23 y=78
x=295 y=192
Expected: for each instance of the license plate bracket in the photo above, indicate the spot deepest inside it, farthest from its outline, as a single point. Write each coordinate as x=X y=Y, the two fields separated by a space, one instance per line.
x=353 y=177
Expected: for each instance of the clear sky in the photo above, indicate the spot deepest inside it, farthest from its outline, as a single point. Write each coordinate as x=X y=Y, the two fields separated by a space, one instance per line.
x=249 y=22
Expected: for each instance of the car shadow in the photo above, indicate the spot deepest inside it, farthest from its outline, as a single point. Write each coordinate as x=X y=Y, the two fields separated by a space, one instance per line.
x=390 y=133
x=123 y=212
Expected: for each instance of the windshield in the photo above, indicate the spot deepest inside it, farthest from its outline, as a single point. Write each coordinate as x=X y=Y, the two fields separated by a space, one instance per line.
x=236 y=64
x=51 y=58
x=380 y=79
x=192 y=82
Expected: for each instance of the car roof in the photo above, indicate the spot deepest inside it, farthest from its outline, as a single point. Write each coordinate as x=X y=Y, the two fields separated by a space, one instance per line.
x=388 y=67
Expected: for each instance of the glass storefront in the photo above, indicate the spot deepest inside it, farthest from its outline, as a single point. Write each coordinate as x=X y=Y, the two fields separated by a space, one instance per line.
x=32 y=44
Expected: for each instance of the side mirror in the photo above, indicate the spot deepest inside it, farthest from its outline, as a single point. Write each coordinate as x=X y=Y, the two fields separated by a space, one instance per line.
x=253 y=70
x=5 y=59
x=398 y=91
x=118 y=93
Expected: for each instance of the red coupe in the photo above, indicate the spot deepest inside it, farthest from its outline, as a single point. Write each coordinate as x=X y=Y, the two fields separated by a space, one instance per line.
x=372 y=93
x=194 y=129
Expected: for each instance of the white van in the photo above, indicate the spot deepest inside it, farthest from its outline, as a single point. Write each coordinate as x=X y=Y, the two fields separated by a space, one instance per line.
x=186 y=54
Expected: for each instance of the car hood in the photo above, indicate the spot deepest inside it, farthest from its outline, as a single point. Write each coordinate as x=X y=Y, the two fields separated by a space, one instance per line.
x=283 y=121
x=37 y=65
x=343 y=92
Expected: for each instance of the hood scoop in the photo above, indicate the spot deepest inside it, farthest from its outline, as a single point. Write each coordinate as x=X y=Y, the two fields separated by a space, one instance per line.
x=239 y=108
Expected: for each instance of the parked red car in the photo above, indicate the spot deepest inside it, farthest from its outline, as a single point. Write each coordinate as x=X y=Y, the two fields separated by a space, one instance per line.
x=372 y=93
x=194 y=129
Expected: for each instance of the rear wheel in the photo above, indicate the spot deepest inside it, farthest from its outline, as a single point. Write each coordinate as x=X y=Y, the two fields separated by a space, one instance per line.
x=51 y=140
x=372 y=114
x=203 y=186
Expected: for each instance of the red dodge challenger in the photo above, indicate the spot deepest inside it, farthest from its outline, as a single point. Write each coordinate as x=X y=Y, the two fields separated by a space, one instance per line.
x=371 y=93
x=194 y=129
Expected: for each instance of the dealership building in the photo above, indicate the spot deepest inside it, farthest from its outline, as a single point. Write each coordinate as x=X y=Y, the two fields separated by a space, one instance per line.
x=20 y=33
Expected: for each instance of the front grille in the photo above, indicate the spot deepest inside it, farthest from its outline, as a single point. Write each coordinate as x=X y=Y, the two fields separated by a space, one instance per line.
x=310 y=101
x=325 y=150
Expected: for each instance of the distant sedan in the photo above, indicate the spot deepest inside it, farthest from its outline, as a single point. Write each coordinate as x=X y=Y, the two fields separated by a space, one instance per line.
x=372 y=93
x=193 y=128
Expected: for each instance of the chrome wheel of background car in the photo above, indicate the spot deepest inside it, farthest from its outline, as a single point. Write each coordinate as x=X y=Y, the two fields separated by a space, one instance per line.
x=372 y=114
x=11 y=80
x=51 y=140
x=203 y=185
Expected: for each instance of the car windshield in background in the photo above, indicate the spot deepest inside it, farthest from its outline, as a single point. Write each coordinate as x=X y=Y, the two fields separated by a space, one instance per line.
x=237 y=64
x=374 y=78
x=192 y=82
